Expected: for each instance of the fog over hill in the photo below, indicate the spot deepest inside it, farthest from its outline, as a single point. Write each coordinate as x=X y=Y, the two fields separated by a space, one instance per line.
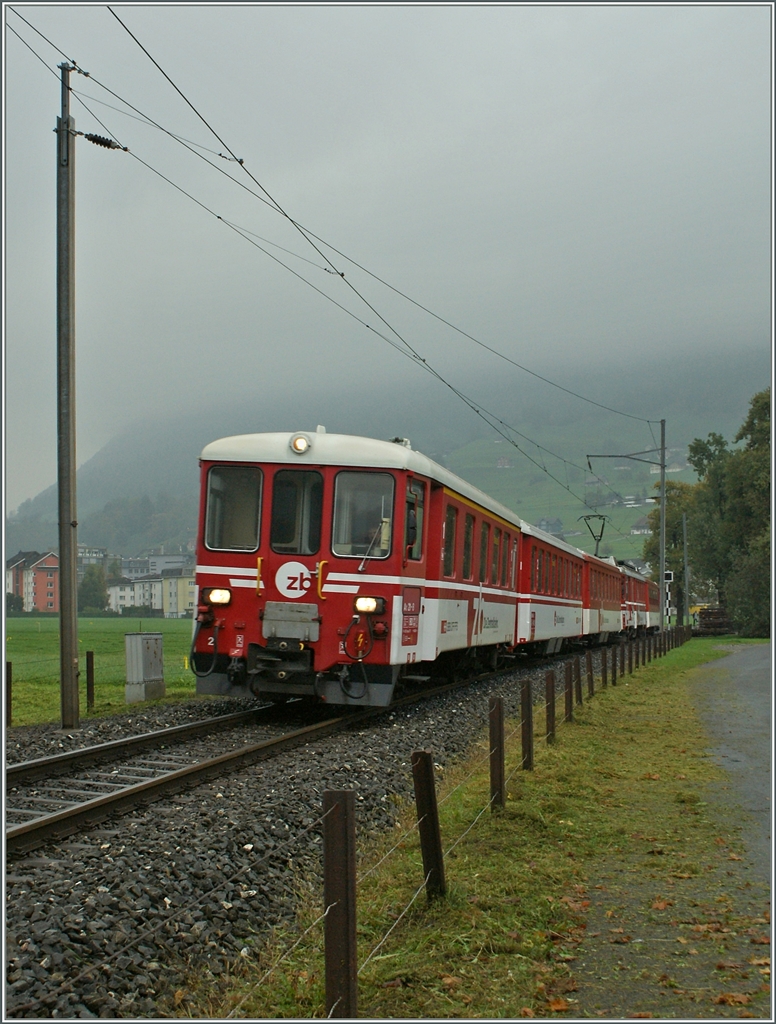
x=159 y=456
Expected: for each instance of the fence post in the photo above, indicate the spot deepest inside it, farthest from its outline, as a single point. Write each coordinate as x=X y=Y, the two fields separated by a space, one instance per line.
x=339 y=898
x=526 y=717
x=614 y=664
x=622 y=659
x=90 y=680
x=569 y=688
x=604 y=662
x=578 y=679
x=636 y=651
x=497 y=776
x=589 y=668
x=8 y=691
x=428 y=823
x=549 y=691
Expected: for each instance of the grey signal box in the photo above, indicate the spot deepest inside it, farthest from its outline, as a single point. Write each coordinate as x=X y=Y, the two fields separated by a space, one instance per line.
x=145 y=667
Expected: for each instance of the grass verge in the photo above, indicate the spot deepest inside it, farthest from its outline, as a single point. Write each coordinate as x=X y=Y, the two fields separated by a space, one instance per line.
x=32 y=646
x=632 y=764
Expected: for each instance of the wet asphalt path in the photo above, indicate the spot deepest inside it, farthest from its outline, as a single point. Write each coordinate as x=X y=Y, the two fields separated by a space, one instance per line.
x=733 y=699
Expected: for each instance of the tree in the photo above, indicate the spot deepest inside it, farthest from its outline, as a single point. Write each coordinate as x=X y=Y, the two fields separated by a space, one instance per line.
x=114 y=569
x=92 y=592
x=13 y=603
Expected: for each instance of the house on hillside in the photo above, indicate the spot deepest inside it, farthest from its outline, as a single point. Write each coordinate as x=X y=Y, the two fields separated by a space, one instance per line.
x=551 y=526
x=641 y=528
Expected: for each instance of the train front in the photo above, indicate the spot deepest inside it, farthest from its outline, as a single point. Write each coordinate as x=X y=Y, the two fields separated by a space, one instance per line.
x=297 y=542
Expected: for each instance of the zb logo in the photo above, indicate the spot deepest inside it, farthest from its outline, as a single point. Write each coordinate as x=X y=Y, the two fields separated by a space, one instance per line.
x=293 y=580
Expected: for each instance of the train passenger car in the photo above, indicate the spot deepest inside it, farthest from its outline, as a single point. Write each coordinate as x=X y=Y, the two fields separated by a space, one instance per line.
x=550 y=608
x=602 y=597
x=330 y=565
x=634 y=602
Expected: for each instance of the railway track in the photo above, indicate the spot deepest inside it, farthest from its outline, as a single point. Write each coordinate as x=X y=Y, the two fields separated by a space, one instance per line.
x=43 y=804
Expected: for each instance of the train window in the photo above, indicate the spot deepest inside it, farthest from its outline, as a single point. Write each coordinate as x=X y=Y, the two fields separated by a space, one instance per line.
x=233 y=508
x=534 y=563
x=554 y=577
x=494 y=556
x=513 y=565
x=363 y=514
x=468 y=544
x=297 y=498
x=546 y=573
x=504 y=559
x=413 y=526
x=484 y=539
x=451 y=518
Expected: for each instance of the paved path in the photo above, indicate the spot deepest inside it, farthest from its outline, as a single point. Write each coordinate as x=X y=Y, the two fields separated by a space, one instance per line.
x=694 y=945
x=733 y=697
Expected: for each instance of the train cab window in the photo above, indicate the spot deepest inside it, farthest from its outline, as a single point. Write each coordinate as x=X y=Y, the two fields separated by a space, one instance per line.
x=494 y=556
x=484 y=541
x=451 y=518
x=297 y=498
x=233 y=508
x=468 y=544
x=363 y=514
x=504 y=559
x=413 y=524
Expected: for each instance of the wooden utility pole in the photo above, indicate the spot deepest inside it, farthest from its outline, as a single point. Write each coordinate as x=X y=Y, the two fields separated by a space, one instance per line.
x=68 y=525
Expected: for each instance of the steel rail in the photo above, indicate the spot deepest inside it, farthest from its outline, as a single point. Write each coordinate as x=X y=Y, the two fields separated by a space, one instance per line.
x=51 y=827
x=28 y=771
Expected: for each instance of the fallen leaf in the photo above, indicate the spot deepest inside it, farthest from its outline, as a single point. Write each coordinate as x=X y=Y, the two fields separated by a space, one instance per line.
x=719 y=841
x=662 y=904
x=610 y=913
x=758 y=961
x=644 y=1013
x=731 y=999
x=734 y=856
x=620 y=930
x=466 y=999
x=558 y=1004
x=679 y=874
x=514 y=935
x=761 y=940
x=621 y=939
x=450 y=981
x=396 y=983
x=526 y=1011
x=652 y=775
x=725 y=965
x=682 y=940
x=179 y=996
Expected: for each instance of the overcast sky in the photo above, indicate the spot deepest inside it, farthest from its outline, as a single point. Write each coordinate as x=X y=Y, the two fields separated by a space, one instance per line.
x=566 y=183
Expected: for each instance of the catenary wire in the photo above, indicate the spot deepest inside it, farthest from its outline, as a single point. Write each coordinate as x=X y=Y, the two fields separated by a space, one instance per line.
x=308 y=235
x=410 y=352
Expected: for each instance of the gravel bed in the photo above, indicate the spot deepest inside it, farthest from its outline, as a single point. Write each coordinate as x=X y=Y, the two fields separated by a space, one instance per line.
x=27 y=742
x=194 y=882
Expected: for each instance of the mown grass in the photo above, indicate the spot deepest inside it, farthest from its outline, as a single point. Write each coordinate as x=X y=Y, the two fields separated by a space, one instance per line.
x=497 y=946
x=32 y=646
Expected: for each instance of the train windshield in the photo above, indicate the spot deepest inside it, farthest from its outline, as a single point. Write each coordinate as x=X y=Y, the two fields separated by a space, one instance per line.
x=363 y=514
x=297 y=502
x=233 y=508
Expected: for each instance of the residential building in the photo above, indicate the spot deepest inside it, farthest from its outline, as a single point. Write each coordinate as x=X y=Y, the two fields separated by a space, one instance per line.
x=145 y=592
x=40 y=587
x=641 y=527
x=14 y=571
x=178 y=594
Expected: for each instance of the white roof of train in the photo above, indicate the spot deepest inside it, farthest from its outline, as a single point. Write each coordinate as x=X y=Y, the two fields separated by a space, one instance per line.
x=349 y=450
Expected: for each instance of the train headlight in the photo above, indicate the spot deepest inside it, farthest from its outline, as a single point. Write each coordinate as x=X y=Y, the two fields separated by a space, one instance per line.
x=370 y=605
x=217 y=595
x=299 y=444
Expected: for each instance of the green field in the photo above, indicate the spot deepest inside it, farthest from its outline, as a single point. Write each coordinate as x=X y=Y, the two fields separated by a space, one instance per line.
x=32 y=646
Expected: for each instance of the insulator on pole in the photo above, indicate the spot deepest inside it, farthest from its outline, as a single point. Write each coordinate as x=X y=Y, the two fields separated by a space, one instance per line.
x=100 y=140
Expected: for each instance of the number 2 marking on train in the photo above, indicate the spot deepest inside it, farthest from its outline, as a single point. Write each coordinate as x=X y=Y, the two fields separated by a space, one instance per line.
x=210 y=641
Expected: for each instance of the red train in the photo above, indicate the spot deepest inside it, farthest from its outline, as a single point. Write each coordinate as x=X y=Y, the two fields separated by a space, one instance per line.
x=335 y=566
